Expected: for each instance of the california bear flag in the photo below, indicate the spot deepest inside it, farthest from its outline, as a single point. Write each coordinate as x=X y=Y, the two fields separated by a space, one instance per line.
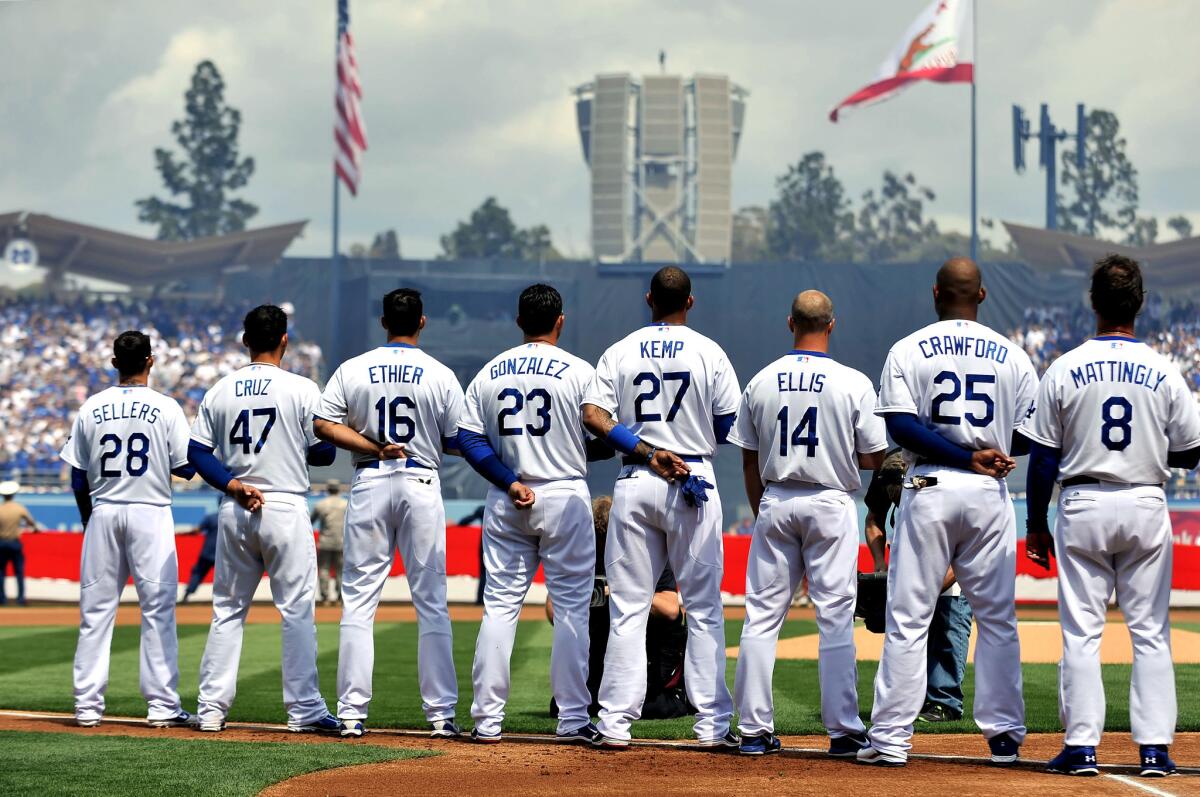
x=935 y=47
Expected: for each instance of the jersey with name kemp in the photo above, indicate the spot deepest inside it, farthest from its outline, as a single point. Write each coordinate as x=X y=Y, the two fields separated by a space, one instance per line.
x=129 y=439
x=808 y=417
x=526 y=401
x=962 y=379
x=396 y=394
x=258 y=420
x=1115 y=407
x=665 y=382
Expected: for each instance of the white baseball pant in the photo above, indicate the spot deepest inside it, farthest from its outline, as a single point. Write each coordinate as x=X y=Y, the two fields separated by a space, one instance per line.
x=802 y=530
x=966 y=521
x=123 y=540
x=650 y=525
x=390 y=510
x=557 y=531
x=1115 y=537
x=278 y=539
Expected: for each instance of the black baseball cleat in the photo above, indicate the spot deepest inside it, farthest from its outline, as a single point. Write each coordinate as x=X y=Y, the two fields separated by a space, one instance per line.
x=584 y=734
x=730 y=741
x=1005 y=750
x=848 y=746
x=760 y=744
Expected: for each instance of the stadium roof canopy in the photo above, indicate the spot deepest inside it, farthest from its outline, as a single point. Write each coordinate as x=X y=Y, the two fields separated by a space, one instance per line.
x=1175 y=264
x=132 y=260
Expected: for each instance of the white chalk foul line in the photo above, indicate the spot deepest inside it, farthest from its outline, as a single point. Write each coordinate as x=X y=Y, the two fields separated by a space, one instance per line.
x=1139 y=785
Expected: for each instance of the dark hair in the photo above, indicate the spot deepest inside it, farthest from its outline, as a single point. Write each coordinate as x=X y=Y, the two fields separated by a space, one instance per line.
x=670 y=288
x=131 y=350
x=538 y=309
x=402 y=311
x=1117 y=292
x=264 y=328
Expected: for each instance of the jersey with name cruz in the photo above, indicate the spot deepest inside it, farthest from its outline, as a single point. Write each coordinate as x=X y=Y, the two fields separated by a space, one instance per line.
x=396 y=393
x=962 y=379
x=128 y=439
x=526 y=402
x=808 y=416
x=666 y=382
x=1115 y=407
x=258 y=421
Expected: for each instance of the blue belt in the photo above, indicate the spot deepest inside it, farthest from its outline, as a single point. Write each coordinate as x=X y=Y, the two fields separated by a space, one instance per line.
x=408 y=463
x=684 y=457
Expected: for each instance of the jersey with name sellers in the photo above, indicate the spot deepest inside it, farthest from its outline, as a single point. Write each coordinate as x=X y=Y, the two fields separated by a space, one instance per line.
x=258 y=420
x=396 y=394
x=526 y=401
x=1115 y=407
x=962 y=379
x=665 y=382
x=808 y=416
x=129 y=439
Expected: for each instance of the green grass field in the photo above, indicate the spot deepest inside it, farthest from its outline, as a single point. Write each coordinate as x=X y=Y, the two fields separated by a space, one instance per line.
x=132 y=766
x=35 y=673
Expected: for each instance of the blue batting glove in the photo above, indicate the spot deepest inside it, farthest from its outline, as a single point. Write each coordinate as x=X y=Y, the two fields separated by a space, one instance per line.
x=695 y=490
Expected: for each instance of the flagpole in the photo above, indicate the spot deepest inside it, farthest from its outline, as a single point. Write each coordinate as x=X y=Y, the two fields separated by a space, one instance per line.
x=974 y=80
x=335 y=283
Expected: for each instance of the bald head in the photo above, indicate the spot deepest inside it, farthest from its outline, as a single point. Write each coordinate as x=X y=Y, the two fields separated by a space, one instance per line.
x=959 y=285
x=811 y=312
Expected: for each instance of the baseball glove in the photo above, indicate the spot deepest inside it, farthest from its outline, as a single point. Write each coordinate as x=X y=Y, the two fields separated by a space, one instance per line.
x=872 y=600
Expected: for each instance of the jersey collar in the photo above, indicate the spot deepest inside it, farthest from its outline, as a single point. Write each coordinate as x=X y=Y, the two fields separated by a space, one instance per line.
x=398 y=346
x=808 y=353
x=1117 y=337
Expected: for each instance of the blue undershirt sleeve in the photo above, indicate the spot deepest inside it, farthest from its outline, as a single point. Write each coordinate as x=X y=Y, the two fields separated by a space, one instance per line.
x=480 y=455
x=201 y=457
x=722 y=425
x=1039 y=484
x=83 y=494
x=321 y=454
x=909 y=433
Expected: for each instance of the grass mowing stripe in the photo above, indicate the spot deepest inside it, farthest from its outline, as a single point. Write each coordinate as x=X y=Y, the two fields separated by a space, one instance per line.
x=133 y=766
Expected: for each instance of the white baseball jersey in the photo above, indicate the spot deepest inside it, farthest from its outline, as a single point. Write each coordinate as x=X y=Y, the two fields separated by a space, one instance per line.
x=1115 y=407
x=807 y=415
x=396 y=394
x=526 y=401
x=665 y=382
x=971 y=384
x=258 y=420
x=129 y=439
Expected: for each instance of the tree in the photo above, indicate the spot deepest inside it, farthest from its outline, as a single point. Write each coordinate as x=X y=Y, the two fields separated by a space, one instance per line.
x=1144 y=232
x=209 y=168
x=491 y=233
x=811 y=218
x=892 y=224
x=385 y=246
x=750 y=235
x=1105 y=192
x=1180 y=226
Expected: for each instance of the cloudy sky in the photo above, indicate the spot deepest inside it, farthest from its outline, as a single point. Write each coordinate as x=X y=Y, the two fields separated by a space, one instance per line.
x=470 y=98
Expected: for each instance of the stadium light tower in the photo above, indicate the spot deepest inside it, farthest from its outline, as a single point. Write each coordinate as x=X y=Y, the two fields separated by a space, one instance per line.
x=1048 y=137
x=661 y=151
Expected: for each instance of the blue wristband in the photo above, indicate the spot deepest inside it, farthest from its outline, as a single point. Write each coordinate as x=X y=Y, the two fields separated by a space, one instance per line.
x=623 y=440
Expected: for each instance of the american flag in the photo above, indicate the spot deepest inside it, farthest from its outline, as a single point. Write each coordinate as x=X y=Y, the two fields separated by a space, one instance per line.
x=349 y=131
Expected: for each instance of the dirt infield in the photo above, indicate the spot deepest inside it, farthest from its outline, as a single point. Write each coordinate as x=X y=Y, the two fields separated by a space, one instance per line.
x=533 y=766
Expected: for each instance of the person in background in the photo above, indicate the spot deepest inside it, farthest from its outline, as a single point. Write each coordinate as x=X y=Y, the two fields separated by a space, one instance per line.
x=329 y=515
x=208 y=554
x=950 y=631
x=13 y=516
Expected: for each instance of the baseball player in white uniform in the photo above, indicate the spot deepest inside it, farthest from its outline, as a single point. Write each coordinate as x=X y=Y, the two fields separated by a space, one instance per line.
x=664 y=396
x=1112 y=416
x=397 y=409
x=521 y=430
x=952 y=395
x=806 y=425
x=125 y=443
x=254 y=426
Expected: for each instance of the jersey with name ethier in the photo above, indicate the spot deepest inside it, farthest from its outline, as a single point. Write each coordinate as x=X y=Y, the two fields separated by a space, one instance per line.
x=665 y=382
x=962 y=379
x=128 y=439
x=808 y=417
x=526 y=401
x=258 y=420
x=396 y=394
x=1115 y=407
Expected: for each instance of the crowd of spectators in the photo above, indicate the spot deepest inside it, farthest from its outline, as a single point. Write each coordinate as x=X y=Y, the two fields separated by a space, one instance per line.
x=55 y=353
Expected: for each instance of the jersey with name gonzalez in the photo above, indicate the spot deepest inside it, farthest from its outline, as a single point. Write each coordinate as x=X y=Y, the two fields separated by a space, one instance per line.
x=1115 y=407
x=128 y=439
x=258 y=420
x=808 y=416
x=962 y=379
x=665 y=382
x=526 y=401
x=396 y=393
